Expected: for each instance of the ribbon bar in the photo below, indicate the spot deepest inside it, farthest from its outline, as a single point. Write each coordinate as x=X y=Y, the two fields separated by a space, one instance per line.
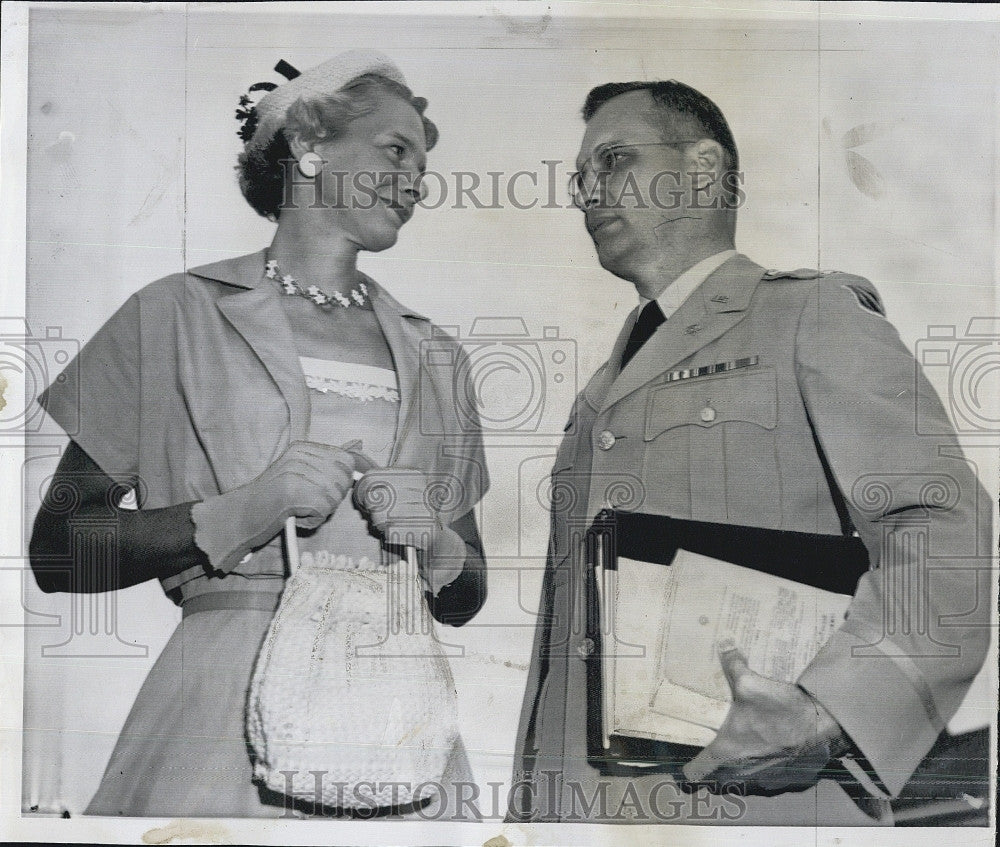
x=718 y=367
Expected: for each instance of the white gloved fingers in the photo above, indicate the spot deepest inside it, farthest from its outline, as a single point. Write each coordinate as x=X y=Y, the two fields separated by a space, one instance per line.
x=309 y=519
x=334 y=461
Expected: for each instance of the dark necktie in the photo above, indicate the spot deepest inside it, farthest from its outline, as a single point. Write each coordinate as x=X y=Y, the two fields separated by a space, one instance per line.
x=649 y=321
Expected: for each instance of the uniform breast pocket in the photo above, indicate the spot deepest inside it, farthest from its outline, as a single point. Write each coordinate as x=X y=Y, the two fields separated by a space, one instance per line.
x=710 y=447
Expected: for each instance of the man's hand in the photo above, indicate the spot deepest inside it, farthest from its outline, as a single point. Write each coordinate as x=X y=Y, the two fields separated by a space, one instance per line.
x=776 y=737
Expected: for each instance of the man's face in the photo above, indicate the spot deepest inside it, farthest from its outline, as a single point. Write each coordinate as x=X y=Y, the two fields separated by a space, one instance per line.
x=637 y=186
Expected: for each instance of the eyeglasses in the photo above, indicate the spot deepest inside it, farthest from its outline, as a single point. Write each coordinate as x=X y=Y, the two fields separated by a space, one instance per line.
x=604 y=162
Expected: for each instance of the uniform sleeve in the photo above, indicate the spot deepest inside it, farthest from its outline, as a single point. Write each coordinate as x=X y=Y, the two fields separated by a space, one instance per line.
x=96 y=398
x=917 y=629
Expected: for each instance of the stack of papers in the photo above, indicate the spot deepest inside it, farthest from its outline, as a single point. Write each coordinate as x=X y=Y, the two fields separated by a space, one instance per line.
x=661 y=624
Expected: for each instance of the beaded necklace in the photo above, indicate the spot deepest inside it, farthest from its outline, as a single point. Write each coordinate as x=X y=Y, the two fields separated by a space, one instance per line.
x=312 y=292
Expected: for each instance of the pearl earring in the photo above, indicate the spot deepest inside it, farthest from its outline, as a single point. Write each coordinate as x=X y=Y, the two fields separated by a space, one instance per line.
x=309 y=164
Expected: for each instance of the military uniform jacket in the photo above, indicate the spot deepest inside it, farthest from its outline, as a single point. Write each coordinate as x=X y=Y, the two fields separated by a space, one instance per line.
x=783 y=401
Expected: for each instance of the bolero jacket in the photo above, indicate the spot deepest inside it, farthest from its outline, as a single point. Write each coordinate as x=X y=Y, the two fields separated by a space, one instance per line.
x=193 y=387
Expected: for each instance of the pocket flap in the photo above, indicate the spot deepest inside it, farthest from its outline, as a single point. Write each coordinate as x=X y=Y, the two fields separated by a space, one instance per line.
x=751 y=397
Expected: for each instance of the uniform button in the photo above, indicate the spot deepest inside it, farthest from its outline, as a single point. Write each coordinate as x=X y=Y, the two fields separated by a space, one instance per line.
x=708 y=414
x=606 y=440
x=585 y=648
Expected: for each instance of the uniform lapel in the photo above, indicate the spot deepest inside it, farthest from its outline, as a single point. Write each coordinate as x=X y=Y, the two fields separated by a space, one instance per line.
x=257 y=316
x=597 y=388
x=714 y=308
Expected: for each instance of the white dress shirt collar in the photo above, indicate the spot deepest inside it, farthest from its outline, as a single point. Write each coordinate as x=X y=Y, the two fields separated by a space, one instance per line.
x=680 y=289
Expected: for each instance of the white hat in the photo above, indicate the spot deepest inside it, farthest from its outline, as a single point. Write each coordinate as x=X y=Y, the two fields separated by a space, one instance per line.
x=320 y=81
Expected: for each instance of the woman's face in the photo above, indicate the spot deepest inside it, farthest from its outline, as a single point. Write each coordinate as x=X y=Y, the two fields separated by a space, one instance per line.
x=371 y=170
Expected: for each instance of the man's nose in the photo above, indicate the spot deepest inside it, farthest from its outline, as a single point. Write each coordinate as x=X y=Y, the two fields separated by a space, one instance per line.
x=592 y=189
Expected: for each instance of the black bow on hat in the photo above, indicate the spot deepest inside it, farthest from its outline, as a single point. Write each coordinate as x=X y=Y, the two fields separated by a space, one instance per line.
x=246 y=113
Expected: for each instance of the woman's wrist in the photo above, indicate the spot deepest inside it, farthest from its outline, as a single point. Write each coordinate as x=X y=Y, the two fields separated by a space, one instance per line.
x=448 y=547
x=215 y=534
x=445 y=559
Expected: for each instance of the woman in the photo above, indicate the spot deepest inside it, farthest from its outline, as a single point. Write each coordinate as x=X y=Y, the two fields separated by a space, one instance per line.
x=255 y=389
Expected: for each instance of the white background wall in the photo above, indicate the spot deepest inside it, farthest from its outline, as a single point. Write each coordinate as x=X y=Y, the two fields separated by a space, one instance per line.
x=131 y=146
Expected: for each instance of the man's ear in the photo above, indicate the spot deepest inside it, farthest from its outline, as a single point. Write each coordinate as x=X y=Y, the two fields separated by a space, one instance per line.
x=709 y=157
x=298 y=147
x=707 y=166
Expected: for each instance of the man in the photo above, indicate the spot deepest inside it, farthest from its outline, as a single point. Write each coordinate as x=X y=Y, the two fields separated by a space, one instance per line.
x=802 y=419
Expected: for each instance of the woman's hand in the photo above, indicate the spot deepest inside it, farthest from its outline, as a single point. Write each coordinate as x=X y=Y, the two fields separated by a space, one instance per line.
x=408 y=506
x=412 y=508
x=309 y=480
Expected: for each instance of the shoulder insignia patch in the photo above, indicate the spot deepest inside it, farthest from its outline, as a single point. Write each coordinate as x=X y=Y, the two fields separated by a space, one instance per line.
x=800 y=273
x=867 y=299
